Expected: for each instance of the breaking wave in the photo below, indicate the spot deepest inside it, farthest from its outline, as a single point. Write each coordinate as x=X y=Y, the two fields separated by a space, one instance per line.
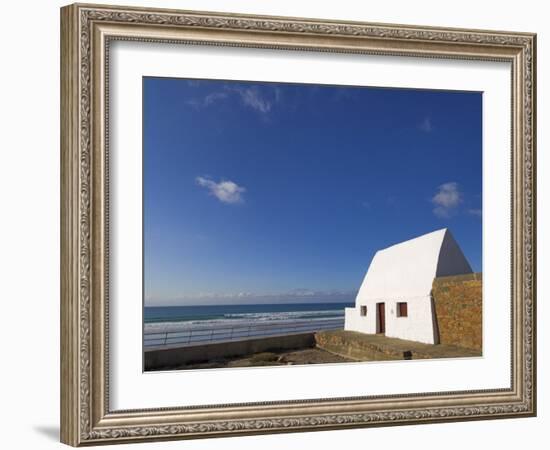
x=237 y=319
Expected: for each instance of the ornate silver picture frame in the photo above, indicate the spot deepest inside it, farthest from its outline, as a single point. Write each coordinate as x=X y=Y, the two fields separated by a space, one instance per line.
x=87 y=33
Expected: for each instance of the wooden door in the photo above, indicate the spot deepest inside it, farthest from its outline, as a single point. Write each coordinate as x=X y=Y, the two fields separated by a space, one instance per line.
x=381 y=308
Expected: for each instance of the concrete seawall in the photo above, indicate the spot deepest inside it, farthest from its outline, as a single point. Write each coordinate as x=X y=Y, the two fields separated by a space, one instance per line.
x=173 y=357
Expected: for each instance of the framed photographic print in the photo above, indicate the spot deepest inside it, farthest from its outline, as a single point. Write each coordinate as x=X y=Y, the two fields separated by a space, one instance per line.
x=275 y=224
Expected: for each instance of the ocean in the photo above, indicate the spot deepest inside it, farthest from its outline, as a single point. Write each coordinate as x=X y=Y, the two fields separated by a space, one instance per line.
x=195 y=325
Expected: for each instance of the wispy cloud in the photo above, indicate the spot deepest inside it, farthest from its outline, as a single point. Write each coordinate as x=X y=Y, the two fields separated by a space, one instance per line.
x=225 y=191
x=426 y=125
x=254 y=99
x=446 y=200
x=475 y=212
x=259 y=100
x=208 y=100
x=214 y=97
x=247 y=297
x=391 y=200
x=278 y=94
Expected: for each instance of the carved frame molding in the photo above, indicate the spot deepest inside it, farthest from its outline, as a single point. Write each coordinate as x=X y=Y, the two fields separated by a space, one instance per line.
x=86 y=31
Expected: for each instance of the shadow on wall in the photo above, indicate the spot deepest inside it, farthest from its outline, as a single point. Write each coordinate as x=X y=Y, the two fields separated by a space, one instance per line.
x=49 y=431
x=434 y=321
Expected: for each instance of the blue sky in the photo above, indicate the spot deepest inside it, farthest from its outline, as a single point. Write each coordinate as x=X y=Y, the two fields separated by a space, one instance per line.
x=271 y=192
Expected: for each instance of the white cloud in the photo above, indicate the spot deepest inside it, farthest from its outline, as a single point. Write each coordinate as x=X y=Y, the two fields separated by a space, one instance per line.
x=475 y=212
x=278 y=95
x=252 y=98
x=225 y=191
x=301 y=292
x=208 y=100
x=446 y=200
x=213 y=97
x=194 y=103
x=426 y=125
x=250 y=298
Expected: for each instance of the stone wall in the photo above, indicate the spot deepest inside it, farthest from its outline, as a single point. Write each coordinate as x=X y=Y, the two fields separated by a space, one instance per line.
x=377 y=347
x=458 y=310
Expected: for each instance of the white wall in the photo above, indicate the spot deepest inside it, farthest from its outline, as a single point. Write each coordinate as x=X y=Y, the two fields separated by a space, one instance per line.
x=29 y=229
x=404 y=273
x=417 y=326
x=353 y=321
x=363 y=324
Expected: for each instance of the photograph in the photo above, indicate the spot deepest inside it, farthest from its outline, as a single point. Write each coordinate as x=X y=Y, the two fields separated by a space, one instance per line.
x=291 y=224
x=273 y=221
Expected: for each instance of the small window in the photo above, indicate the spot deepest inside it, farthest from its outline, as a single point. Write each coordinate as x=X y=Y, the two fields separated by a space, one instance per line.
x=401 y=309
x=363 y=310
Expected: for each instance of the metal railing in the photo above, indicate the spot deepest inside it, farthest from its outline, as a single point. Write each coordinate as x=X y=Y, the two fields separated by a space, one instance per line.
x=201 y=335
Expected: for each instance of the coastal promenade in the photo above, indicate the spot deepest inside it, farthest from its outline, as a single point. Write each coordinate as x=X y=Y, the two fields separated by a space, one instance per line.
x=201 y=335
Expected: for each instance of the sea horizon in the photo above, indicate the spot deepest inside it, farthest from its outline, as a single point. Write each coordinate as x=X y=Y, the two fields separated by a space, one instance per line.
x=286 y=302
x=183 y=313
x=280 y=316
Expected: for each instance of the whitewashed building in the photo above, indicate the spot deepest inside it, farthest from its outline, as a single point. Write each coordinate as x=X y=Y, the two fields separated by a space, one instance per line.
x=395 y=296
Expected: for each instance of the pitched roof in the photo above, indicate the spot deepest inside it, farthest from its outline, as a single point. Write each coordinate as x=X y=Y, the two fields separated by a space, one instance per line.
x=407 y=269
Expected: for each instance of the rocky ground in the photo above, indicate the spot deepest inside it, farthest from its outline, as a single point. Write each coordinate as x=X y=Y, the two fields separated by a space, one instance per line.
x=277 y=358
